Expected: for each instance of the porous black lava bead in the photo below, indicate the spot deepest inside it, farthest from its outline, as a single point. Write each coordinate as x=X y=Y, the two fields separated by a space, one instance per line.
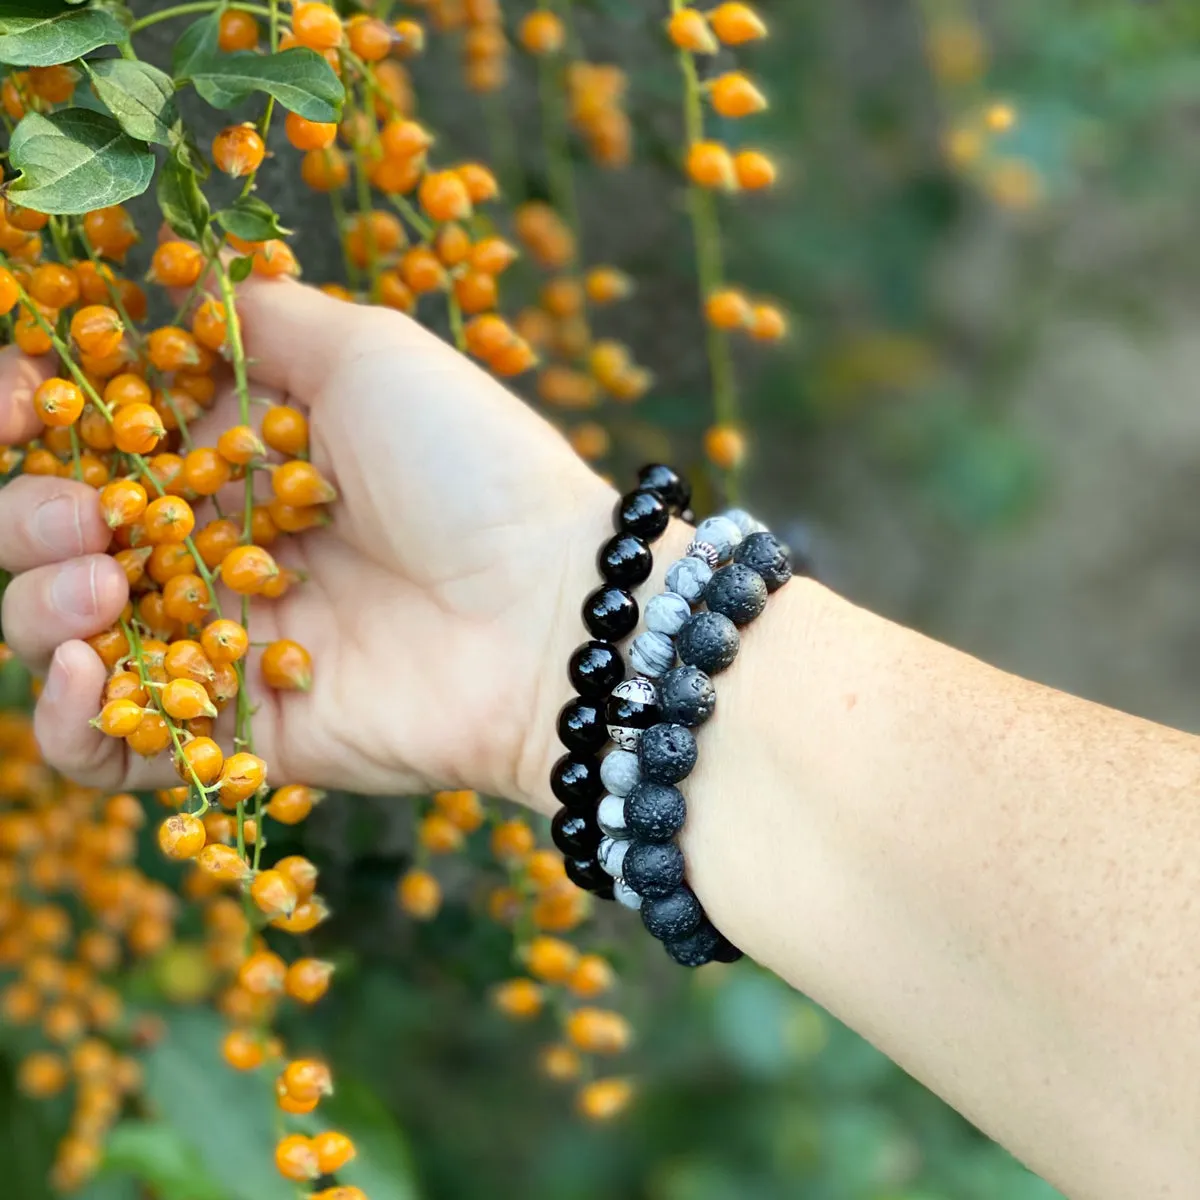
x=726 y=951
x=697 y=948
x=631 y=710
x=576 y=834
x=625 y=560
x=672 y=916
x=581 y=726
x=668 y=483
x=707 y=640
x=655 y=812
x=610 y=613
x=576 y=781
x=666 y=753
x=653 y=868
x=644 y=513
x=686 y=696
x=736 y=592
x=588 y=874
x=595 y=669
x=767 y=556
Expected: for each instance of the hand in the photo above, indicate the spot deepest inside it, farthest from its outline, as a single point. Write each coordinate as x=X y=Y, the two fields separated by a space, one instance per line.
x=438 y=608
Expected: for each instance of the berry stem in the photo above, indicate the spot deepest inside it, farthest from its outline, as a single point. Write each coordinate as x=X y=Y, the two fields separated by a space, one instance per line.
x=202 y=6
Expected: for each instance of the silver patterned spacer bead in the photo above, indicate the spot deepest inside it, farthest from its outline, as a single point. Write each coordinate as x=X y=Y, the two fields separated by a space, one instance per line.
x=705 y=551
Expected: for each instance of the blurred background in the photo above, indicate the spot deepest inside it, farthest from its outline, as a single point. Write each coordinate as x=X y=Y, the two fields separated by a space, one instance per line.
x=986 y=425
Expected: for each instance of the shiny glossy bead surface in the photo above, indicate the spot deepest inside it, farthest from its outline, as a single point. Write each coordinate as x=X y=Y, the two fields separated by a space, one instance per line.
x=674 y=915
x=625 y=560
x=668 y=483
x=595 y=669
x=610 y=613
x=697 y=948
x=765 y=554
x=581 y=726
x=631 y=710
x=576 y=782
x=653 y=868
x=687 y=697
x=655 y=812
x=644 y=513
x=588 y=874
x=708 y=641
x=575 y=834
x=736 y=592
x=666 y=754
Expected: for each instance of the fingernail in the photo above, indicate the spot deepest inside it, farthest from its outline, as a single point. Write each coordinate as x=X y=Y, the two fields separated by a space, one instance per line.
x=57 y=679
x=55 y=524
x=73 y=592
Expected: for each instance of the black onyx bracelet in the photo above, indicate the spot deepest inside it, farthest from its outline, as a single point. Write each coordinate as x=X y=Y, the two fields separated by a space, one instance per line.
x=610 y=614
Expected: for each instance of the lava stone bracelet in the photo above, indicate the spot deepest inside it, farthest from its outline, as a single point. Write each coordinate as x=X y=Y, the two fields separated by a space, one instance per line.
x=731 y=566
x=596 y=668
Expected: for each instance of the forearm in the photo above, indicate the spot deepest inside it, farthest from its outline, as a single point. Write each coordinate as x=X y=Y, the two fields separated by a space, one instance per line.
x=993 y=881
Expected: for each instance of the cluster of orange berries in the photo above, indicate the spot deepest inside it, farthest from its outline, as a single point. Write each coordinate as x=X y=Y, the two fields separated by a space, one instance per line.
x=537 y=902
x=74 y=908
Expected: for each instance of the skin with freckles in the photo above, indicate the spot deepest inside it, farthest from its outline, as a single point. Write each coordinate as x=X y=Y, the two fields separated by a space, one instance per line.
x=995 y=882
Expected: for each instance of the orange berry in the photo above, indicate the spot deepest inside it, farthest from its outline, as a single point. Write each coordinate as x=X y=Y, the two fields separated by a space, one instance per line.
x=438 y=834
x=735 y=24
x=238 y=150
x=299 y=483
x=237 y=31
x=480 y=183
x=176 y=264
x=463 y=808
x=551 y=959
x=475 y=292
x=520 y=999
x=246 y=570
x=181 y=836
x=151 y=737
x=274 y=259
x=493 y=255
x=122 y=502
x=111 y=231
x=119 y=718
x=205 y=471
x=373 y=235
x=126 y=685
x=725 y=447
x=420 y=894
x=137 y=428
x=167 y=519
x=560 y=1063
x=597 y=1030
x=97 y=329
x=309 y=135
x=767 y=323
x=274 y=894
x=285 y=429
x=54 y=285
x=306 y=1079
x=126 y=389
x=563 y=297
x=728 y=309
x=210 y=326
x=334 y=1151
x=444 y=196
x=325 y=170
x=603 y=1099
x=307 y=979
x=287 y=666
x=452 y=244
x=10 y=291
x=202 y=758
x=30 y=337
x=186 y=659
x=243 y=1050
x=410 y=38
x=592 y=977
x=754 y=170
x=513 y=359
x=689 y=30
x=421 y=271
x=316 y=26
x=369 y=37
x=404 y=139
x=512 y=840
x=41 y=1075
x=301 y=872
x=224 y=641
x=225 y=864
x=710 y=165
x=542 y=32
x=241 y=776
x=488 y=335
x=58 y=402
x=295 y=1159
x=292 y=803
x=185 y=699
x=173 y=349
x=733 y=95
x=606 y=285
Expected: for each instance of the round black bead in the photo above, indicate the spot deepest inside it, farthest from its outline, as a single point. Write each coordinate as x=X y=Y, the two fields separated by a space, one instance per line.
x=610 y=613
x=604 y=890
x=736 y=592
x=653 y=868
x=644 y=513
x=576 y=781
x=595 y=669
x=672 y=916
x=576 y=834
x=631 y=709
x=726 y=951
x=697 y=948
x=625 y=560
x=707 y=640
x=766 y=555
x=581 y=726
x=655 y=812
x=668 y=483
x=588 y=874
x=666 y=753
x=686 y=696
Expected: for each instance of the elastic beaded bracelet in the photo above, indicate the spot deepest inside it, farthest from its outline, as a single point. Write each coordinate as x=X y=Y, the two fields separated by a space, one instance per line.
x=610 y=613
x=731 y=566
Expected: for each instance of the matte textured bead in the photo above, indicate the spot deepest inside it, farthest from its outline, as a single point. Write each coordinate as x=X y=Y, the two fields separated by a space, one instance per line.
x=672 y=916
x=668 y=483
x=610 y=816
x=625 y=560
x=689 y=577
x=666 y=754
x=709 y=641
x=746 y=523
x=576 y=781
x=581 y=726
x=619 y=772
x=655 y=812
x=666 y=613
x=611 y=856
x=697 y=948
x=625 y=896
x=631 y=710
x=736 y=592
x=653 y=868
x=610 y=613
x=595 y=669
x=575 y=834
x=644 y=513
x=686 y=696
x=726 y=951
x=587 y=874
x=652 y=653
x=768 y=556
x=721 y=533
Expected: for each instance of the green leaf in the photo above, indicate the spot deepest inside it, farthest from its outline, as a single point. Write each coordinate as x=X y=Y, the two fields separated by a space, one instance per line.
x=140 y=96
x=252 y=220
x=76 y=160
x=33 y=35
x=183 y=204
x=240 y=268
x=197 y=44
x=300 y=79
x=155 y=1154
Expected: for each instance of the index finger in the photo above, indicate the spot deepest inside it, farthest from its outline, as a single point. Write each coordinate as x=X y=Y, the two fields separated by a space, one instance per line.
x=20 y=377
